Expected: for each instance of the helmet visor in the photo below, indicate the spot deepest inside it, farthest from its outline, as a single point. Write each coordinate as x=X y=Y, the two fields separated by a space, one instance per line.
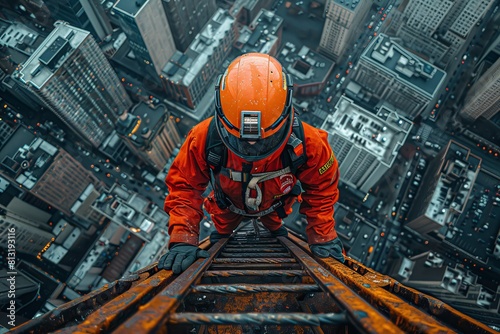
x=254 y=149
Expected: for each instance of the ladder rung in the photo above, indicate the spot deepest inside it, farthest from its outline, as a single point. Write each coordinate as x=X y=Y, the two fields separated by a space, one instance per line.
x=255 y=260
x=253 y=288
x=231 y=247
x=254 y=266
x=303 y=319
x=254 y=250
x=273 y=273
x=252 y=255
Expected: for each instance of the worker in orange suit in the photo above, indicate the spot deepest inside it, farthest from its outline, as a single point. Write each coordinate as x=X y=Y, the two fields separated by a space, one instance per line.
x=256 y=124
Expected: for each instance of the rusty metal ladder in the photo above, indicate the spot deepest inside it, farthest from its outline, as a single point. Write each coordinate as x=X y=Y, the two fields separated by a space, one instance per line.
x=255 y=283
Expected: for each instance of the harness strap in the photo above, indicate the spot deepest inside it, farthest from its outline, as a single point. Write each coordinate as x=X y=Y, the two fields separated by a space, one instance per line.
x=254 y=202
x=239 y=211
x=241 y=177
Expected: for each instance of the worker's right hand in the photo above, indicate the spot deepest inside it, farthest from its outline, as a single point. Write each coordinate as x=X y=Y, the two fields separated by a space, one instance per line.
x=180 y=257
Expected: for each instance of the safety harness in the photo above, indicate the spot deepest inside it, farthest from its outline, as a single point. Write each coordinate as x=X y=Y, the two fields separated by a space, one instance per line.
x=293 y=156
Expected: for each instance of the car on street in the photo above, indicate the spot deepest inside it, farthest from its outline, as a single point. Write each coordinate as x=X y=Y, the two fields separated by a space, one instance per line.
x=123 y=175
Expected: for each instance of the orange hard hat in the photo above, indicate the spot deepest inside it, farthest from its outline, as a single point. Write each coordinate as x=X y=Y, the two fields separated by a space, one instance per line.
x=253 y=103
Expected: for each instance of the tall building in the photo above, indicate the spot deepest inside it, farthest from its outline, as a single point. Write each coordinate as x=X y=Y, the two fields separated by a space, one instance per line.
x=342 y=23
x=17 y=44
x=483 y=98
x=365 y=144
x=135 y=237
x=70 y=74
x=26 y=225
x=388 y=72
x=48 y=173
x=26 y=292
x=187 y=18
x=245 y=11
x=150 y=133
x=309 y=69
x=85 y=14
x=439 y=29
x=146 y=26
x=187 y=76
x=262 y=35
x=446 y=187
x=429 y=272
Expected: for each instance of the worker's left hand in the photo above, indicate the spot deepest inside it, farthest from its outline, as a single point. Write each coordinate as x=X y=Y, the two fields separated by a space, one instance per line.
x=180 y=257
x=331 y=248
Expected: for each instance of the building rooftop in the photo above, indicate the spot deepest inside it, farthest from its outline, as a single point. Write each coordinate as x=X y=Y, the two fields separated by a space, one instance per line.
x=238 y=5
x=459 y=170
x=25 y=158
x=358 y=234
x=130 y=7
x=132 y=211
x=20 y=40
x=141 y=122
x=383 y=52
x=305 y=65
x=183 y=68
x=261 y=34
x=349 y=4
x=382 y=134
x=45 y=61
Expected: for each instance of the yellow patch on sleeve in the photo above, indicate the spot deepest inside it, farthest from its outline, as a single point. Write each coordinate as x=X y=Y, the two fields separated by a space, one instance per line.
x=326 y=166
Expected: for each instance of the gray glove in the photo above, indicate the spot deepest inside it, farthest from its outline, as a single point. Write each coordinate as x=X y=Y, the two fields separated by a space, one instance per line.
x=180 y=257
x=331 y=248
x=281 y=232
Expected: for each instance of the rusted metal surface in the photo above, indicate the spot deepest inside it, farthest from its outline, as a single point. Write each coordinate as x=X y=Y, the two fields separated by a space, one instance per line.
x=255 y=283
x=110 y=315
x=397 y=299
x=365 y=317
x=152 y=317
x=74 y=310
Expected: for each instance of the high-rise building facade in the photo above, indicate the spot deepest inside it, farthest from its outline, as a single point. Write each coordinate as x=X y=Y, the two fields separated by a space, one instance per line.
x=73 y=78
x=150 y=133
x=146 y=26
x=187 y=18
x=457 y=285
x=262 y=35
x=343 y=19
x=48 y=173
x=439 y=29
x=446 y=187
x=391 y=73
x=188 y=75
x=25 y=227
x=365 y=144
x=245 y=11
x=483 y=98
x=85 y=14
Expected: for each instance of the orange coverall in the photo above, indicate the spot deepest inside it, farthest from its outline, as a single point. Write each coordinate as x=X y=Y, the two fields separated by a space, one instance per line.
x=189 y=177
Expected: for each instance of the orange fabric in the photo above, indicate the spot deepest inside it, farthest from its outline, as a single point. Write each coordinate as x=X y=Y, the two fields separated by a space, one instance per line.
x=189 y=176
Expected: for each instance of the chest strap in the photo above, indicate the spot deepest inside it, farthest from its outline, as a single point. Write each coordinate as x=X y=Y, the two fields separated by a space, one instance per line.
x=253 y=202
